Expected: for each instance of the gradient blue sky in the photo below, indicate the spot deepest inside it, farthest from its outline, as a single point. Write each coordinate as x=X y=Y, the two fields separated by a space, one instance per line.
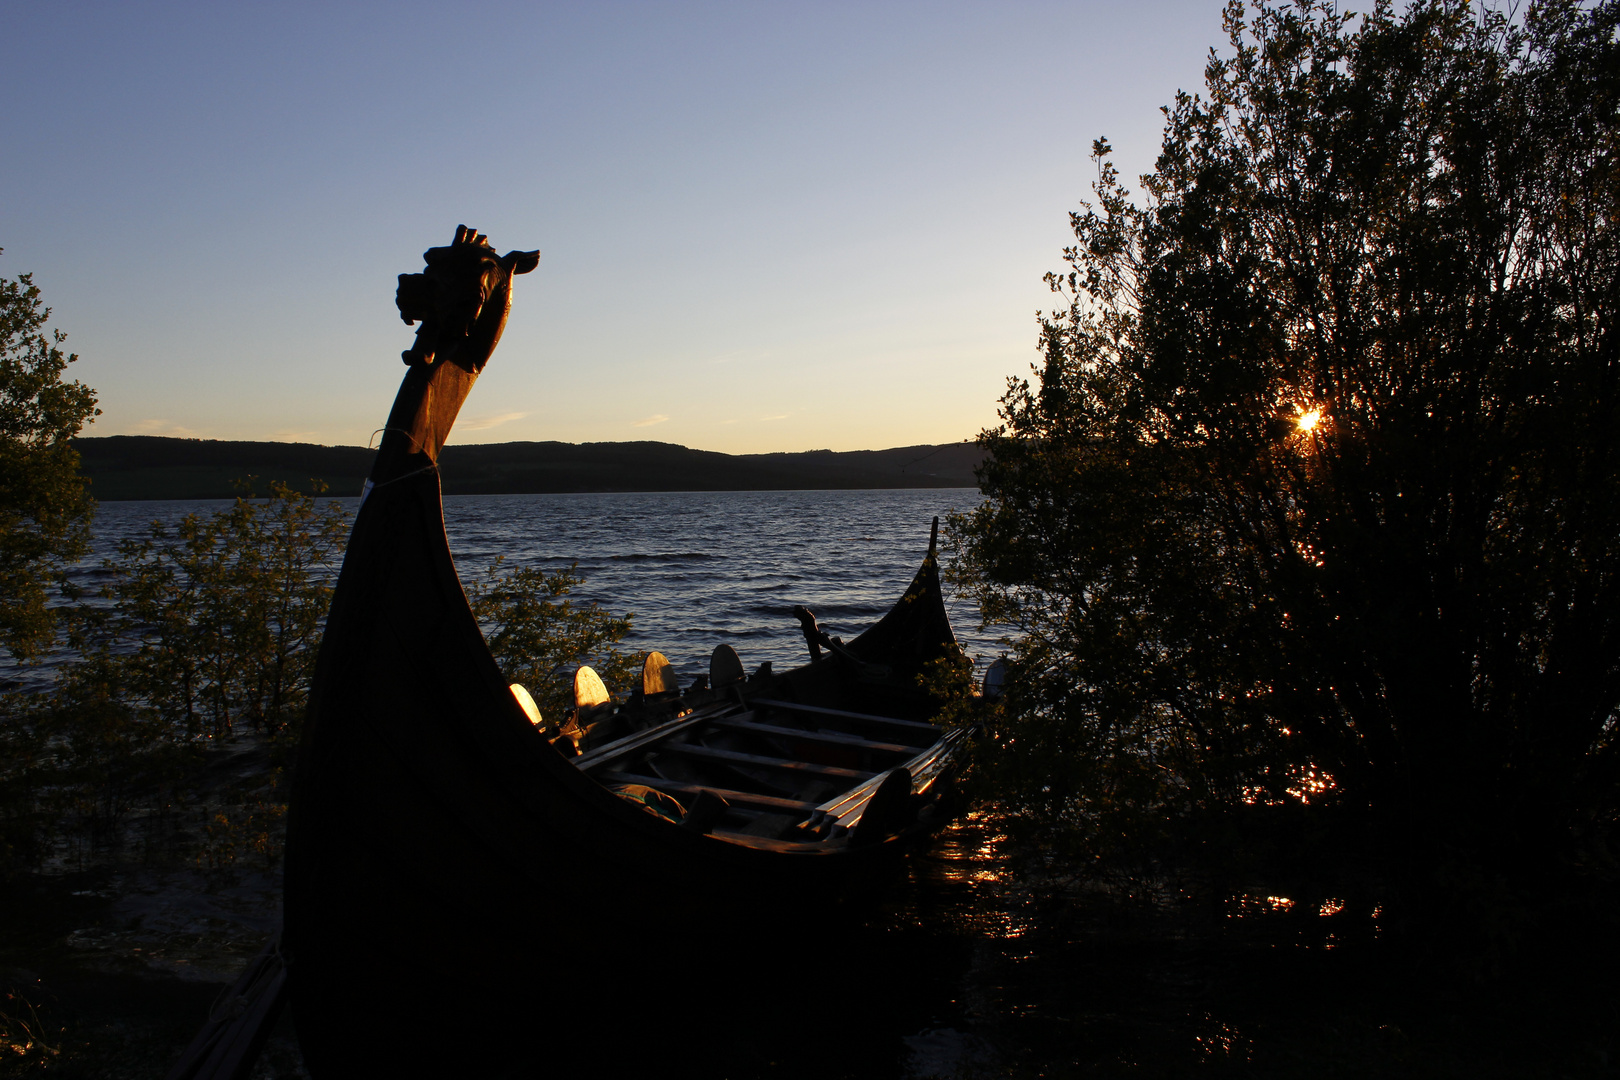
x=763 y=226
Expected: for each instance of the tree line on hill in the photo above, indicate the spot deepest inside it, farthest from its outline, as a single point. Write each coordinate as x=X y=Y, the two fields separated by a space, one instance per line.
x=153 y=467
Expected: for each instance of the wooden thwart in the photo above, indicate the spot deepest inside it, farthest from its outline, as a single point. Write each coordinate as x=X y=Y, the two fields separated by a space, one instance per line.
x=735 y=798
x=641 y=740
x=816 y=710
x=713 y=753
x=832 y=738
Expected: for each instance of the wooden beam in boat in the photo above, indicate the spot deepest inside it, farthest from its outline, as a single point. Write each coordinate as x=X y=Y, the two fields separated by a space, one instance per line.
x=735 y=798
x=641 y=739
x=817 y=710
x=924 y=765
x=833 y=738
x=761 y=761
x=845 y=804
x=925 y=768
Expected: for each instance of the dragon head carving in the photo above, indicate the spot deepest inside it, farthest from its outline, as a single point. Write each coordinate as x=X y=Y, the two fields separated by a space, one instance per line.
x=461 y=299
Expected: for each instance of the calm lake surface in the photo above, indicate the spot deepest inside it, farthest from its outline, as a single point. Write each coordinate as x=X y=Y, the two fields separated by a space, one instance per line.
x=695 y=568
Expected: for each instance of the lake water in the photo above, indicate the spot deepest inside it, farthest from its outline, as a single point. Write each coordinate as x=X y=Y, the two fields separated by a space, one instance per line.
x=695 y=568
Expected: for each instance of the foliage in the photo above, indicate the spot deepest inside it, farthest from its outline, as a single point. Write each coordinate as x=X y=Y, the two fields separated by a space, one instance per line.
x=209 y=629
x=201 y=630
x=215 y=622
x=949 y=683
x=23 y=781
x=539 y=635
x=44 y=508
x=26 y=1040
x=1315 y=498
x=253 y=829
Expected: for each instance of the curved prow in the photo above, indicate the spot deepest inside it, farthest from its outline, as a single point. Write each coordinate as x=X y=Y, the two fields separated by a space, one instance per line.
x=462 y=300
x=405 y=700
x=917 y=630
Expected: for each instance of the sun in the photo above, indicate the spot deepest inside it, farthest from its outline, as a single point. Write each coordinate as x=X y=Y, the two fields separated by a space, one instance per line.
x=1309 y=420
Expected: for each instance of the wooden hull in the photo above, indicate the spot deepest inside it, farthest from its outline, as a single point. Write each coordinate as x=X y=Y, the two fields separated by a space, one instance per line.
x=463 y=899
x=439 y=844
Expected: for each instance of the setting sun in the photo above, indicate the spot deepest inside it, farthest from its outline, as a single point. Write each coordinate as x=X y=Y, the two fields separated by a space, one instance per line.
x=1309 y=420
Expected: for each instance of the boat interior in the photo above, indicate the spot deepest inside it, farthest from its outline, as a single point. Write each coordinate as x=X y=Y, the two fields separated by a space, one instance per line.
x=759 y=761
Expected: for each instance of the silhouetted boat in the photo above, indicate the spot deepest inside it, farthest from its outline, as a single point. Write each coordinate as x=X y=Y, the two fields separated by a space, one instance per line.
x=821 y=760
x=453 y=879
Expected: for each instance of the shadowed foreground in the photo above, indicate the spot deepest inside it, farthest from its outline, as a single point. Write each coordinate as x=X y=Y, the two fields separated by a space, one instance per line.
x=976 y=969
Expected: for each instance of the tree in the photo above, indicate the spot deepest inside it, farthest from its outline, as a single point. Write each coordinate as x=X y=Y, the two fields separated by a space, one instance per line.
x=215 y=622
x=199 y=630
x=210 y=626
x=1316 y=497
x=538 y=636
x=44 y=506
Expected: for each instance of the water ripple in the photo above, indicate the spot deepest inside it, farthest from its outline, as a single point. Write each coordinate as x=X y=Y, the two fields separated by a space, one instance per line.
x=696 y=568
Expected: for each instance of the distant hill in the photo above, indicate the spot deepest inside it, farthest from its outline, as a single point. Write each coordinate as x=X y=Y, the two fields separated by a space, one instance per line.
x=151 y=467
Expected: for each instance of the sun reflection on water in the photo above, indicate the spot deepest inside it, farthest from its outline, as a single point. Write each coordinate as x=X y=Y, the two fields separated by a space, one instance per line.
x=1310 y=782
x=1048 y=963
x=1243 y=905
x=1223 y=1040
x=967 y=881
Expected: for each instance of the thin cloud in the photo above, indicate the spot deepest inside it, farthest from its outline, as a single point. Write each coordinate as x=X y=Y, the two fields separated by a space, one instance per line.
x=163 y=427
x=656 y=418
x=482 y=423
x=777 y=416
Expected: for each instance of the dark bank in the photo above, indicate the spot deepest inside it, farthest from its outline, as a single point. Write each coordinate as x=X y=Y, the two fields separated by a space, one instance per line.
x=979 y=965
x=152 y=467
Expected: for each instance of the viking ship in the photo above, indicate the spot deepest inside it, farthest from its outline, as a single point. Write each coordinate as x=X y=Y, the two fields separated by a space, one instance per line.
x=464 y=876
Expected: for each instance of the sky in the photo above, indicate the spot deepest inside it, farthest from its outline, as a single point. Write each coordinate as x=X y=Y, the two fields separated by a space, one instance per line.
x=763 y=226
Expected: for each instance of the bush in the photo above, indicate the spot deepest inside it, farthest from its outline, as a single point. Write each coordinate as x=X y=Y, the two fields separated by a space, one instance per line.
x=539 y=636
x=202 y=630
x=44 y=508
x=1316 y=498
x=215 y=623
x=207 y=630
